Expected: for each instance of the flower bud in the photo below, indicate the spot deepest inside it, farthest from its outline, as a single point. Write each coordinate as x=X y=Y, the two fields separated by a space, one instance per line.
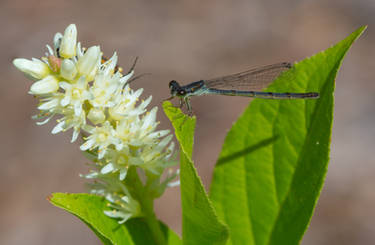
x=47 y=85
x=68 y=69
x=96 y=116
x=34 y=69
x=54 y=63
x=87 y=64
x=68 y=42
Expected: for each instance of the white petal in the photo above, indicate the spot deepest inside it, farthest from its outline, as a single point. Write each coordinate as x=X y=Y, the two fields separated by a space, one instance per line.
x=102 y=153
x=44 y=122
x=58 y=128
x=170 y=150
x=126 y=199
x=88 y=62
x=65 y=101
x=79 y=50
x=159 y=134
x=87 y=145
x=149 y=119
x=110 y=198
x=49 y=105
x=146 y=102
x=75 y=135
x=110 y=64
x=35 y=69
x=100 y=80
x=125 y=218
x=57 y=40
x=111 y=214
x=165 y=142
x=93 y=72
x=138 y=93
x=47 y=85
x=90 y=175
x=174 y=183
x=119 y=145
x=107 y=168
x=125 y=78
x=81 y=83
x=68 y=69
x=65 y=85
x=68 y=42
x=123 y=173
x=50 y=51
x=78 y=108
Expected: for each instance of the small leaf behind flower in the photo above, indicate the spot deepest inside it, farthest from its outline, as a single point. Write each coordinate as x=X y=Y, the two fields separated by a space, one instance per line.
x=89 y=208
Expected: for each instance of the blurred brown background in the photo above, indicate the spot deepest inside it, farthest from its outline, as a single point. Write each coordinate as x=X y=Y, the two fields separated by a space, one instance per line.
x=186 y=41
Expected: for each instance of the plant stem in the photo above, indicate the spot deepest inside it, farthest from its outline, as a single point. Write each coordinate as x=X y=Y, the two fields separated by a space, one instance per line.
x=153 y=223
x=145 y=198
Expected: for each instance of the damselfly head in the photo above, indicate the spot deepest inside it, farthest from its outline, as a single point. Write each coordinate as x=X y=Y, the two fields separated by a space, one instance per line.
x=176 y=89
x=174 y=84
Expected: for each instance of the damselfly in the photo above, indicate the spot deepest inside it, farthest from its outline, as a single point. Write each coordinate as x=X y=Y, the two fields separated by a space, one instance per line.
x=247 y=84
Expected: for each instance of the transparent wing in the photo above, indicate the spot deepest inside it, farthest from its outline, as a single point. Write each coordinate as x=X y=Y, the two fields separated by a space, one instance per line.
x=255 y=79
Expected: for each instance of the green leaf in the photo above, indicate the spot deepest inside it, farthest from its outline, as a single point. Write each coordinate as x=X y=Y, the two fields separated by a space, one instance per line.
x=274 y=159
x=89 y=208
x=200 y=224
x=184 y=127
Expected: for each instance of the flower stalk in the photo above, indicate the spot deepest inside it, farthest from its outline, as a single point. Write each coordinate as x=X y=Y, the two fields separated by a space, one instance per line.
x=146 y=195
x=153 y=223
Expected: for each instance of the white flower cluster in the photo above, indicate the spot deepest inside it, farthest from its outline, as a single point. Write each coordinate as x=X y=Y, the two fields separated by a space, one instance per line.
x=90 y=94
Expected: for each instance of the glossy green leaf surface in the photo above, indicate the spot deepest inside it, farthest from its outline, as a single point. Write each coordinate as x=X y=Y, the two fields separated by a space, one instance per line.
x=89 y=208
x=200 y=224
x=274 y=159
